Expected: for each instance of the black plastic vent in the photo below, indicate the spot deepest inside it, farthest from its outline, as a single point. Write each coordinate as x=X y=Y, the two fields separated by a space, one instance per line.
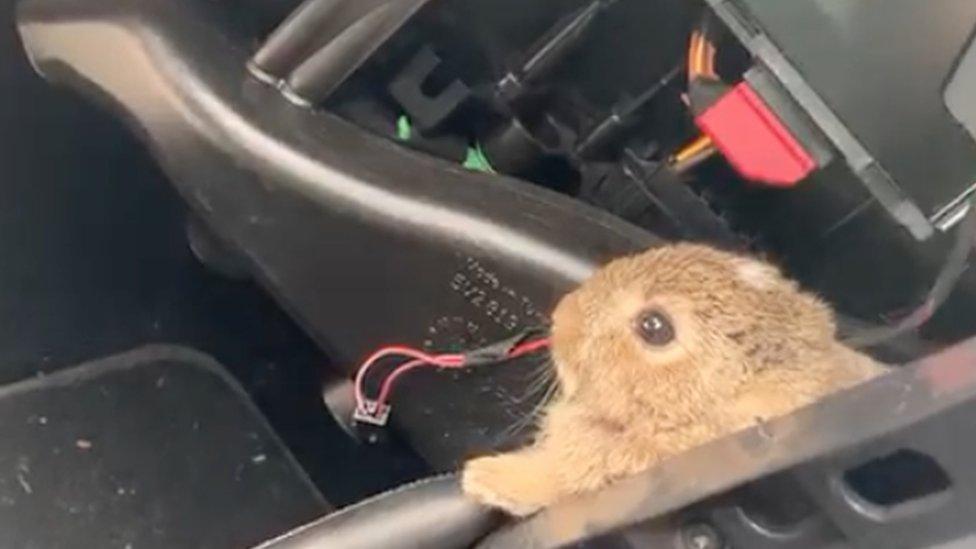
x=776 y=506
x=905 y=482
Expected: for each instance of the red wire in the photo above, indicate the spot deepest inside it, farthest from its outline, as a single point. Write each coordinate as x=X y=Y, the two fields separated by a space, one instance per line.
x=528 y=347
x=387 y=386
x=393 y=350
x=420 y=359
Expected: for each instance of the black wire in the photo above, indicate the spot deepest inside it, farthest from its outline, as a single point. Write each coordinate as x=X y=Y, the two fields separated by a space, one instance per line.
x=706 y=26
x=956 y=263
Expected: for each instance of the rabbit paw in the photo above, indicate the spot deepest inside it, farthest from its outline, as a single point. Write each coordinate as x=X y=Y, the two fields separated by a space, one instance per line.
x=507 y=482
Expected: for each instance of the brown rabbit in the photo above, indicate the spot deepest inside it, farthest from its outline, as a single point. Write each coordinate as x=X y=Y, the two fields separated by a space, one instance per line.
x=661 y=352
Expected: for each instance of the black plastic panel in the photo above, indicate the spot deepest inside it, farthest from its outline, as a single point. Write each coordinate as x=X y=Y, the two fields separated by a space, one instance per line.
x=962 y=89
x=366 y=243
x=881 y=67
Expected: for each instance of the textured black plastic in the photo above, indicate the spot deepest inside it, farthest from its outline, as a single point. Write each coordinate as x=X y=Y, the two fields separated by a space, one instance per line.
x=155 y=448
x=962 y=89
x=365 y=242
x=881 y=67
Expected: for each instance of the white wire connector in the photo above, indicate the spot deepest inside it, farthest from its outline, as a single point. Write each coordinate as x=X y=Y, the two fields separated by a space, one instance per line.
x=372 y=413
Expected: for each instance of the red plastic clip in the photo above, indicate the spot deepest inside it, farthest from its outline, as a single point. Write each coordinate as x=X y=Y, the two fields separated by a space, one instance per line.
x=754 y=140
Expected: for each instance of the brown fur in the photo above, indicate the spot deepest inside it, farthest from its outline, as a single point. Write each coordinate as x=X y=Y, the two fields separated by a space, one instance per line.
x=749 y=346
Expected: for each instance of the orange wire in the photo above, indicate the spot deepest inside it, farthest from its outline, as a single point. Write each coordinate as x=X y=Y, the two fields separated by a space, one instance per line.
x=701 y=57
x=708 y=60
x=701 y=53
x=700 y=145
x=693 y=56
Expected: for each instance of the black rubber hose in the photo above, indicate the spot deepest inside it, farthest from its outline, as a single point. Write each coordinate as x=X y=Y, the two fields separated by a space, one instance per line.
x=313 y=24
x=621 y=116
x=550 y=50
x=563 y=37
x=314 y=80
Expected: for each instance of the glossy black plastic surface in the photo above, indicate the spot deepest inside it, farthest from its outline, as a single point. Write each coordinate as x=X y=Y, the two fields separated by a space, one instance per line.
x=364 y=242
x=881 y=67
x=429 y=514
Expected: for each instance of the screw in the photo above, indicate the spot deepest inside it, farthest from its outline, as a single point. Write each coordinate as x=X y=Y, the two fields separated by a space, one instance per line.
x=701 y=535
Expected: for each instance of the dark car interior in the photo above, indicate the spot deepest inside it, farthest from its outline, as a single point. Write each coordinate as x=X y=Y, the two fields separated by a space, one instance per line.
x=215 y=211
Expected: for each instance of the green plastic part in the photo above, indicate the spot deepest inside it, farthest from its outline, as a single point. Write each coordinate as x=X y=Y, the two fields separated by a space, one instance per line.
x=477 y=161
x=404 y=129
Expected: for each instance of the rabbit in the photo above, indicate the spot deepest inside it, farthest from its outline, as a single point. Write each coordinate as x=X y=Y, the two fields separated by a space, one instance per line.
x=661 y=352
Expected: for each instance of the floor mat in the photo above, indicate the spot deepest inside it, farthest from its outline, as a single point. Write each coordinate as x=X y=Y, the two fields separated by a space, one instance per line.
x=158 y=447
x=95 y=261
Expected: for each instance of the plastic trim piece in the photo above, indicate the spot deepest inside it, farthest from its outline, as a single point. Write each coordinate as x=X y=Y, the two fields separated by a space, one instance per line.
x=365 y=242
x=861 y=162
x=324 y=41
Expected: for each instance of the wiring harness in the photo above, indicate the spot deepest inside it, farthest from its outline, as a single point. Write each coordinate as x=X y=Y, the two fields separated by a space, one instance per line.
x=376 y=411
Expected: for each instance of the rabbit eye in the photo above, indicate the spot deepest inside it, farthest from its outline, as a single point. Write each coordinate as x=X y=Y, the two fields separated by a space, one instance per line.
x=655 y=328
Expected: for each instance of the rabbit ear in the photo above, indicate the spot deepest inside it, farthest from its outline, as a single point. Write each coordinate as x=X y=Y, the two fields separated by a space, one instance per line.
x=757 y=274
